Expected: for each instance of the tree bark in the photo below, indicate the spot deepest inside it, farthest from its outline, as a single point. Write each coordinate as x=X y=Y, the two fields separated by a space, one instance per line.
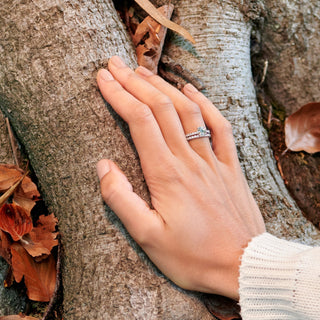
x=49 y=54
x=289 y=41
x=221 y=59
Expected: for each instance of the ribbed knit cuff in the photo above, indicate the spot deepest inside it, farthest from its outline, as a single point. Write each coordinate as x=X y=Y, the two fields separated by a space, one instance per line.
x=274 y=278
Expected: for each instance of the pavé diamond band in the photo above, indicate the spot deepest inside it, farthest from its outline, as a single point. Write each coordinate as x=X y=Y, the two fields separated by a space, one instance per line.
x=201 y=132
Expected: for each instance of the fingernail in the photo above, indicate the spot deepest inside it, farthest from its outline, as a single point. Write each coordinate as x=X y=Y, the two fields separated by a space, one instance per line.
x=144 y=71
x=103 y=168
x=118 y=62
x=189 y=87
x=105 y=75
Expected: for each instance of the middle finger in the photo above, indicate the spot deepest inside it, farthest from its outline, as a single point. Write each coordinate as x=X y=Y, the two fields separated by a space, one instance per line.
x=188 y=111
x=159 y=103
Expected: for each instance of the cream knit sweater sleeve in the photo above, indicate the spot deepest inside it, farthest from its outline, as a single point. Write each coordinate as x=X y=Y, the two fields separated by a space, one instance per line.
x=279 y=280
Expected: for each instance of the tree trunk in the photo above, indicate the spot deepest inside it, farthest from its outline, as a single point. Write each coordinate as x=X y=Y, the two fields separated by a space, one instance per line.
x=49 y=54
x=221 y=58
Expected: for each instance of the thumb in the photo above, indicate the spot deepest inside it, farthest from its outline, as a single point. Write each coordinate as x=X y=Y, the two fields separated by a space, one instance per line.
x=140 y=221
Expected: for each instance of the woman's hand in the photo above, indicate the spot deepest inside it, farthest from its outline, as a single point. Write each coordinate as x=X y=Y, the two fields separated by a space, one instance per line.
x=204 y=214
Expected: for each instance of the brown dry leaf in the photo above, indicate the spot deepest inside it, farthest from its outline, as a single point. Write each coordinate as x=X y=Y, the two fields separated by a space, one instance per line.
x=156 y=15
x=15 y=220
x=5 y=243
x=42 y=237
x=39 y=277
x=149 y=50
x=9 y=175
x=18 y=317
x=302 y=129
x=28 y=189
x=26 y=194
x=222 y=308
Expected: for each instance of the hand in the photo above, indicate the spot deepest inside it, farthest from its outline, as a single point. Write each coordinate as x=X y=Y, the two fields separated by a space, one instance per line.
x=204 y=214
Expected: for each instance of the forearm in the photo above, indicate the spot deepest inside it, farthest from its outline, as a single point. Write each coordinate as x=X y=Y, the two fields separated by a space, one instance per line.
x=279 y=280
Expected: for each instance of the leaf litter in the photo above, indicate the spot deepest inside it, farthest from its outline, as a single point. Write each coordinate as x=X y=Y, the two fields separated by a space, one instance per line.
x=26 y=246
x=302 y=129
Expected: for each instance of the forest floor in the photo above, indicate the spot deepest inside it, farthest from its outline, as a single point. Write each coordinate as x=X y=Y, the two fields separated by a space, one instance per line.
x=299 y=170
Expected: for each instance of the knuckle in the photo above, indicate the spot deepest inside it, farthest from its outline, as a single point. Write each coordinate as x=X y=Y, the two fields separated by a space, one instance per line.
x=155 y=80
x=146 y=235
x=172 y=173
x=163 y=101
x=109 y=190
x=192 y=109
x=141 y=113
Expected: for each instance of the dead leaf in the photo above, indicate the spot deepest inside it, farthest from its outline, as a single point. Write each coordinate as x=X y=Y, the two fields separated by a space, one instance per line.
x=15 y=220
x=149 y=39
x=222 y=308
x=9 y=175
x=302 y=129
x=156 y=15
x=18 y=317
x=5 y=243
x=39 y=277
x=26 y=194
x=11 y=190
x=42 y=238
x=28 y=189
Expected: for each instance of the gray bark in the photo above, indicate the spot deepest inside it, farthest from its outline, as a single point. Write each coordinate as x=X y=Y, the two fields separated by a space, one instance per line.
x=49 y=54
x=221 y=59
x=290 y=43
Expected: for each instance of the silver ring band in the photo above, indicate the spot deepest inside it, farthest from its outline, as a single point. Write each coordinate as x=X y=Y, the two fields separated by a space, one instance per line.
x=201 y=132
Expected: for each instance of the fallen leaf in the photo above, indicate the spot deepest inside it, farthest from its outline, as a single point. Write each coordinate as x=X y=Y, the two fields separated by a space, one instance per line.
x=156 y=15
x=10 y=191
x=28 y=189
x=15 y=220
x=302 y=129
x=222 y=308
x=18 y=317
x=149 y=39
x=5 y=243
x=42 y=238
x=9 y=175
x=26 y=194
x=39 y=277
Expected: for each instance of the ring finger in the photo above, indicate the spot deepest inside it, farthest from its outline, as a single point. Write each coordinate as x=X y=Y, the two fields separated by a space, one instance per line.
x=188 y=111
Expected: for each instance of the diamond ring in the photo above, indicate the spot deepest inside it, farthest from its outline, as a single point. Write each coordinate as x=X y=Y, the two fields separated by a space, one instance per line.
x=201 y=132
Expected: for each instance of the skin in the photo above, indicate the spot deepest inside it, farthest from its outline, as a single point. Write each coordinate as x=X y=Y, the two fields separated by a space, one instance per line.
x=203 y=212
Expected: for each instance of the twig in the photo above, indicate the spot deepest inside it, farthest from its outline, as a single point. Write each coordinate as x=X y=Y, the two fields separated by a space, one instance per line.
x=284 y=152
x=182 y=72
x=265 y=69
x=13 y=143
x=269 y=117
x=11 y=190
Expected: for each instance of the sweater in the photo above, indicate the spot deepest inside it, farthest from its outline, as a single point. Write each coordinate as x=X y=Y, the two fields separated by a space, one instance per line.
x=279 y=280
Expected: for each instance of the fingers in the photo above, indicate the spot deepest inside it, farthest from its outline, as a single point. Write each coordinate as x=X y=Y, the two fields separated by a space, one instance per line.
x=135 y=214
x=188 y=111
x=162 y=107
x=144 y=129
x=222 y=138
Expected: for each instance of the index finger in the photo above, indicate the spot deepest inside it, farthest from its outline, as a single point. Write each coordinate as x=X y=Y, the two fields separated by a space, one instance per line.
x=144 y=128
